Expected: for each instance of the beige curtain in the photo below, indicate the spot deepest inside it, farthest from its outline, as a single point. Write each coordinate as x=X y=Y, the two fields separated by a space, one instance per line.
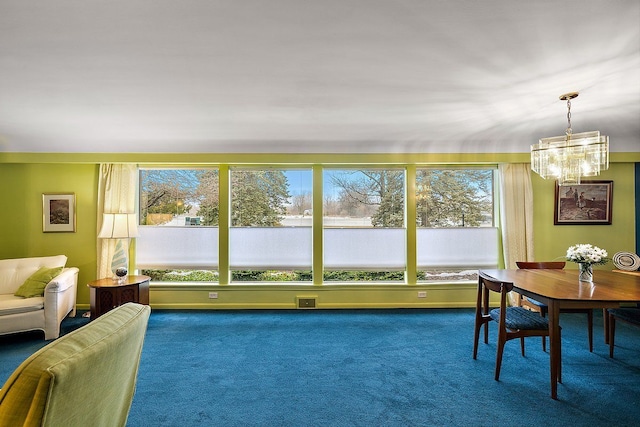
x=116 y=194
x=516 y=213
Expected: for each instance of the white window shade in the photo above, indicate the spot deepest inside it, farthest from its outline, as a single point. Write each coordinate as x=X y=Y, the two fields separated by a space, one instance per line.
x=373 y=249
x=273 y=248
x=457 y=247
x=186 y=248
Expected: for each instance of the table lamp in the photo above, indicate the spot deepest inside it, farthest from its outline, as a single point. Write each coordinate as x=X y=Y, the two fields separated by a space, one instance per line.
x=119 y=226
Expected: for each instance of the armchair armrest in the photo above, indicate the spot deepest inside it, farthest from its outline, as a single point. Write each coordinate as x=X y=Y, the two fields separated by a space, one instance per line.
x=59 y=300
x=63 y=281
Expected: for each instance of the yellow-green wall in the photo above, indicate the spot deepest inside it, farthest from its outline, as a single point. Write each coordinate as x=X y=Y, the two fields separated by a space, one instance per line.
x=24 y=178
x=21 y=215
x=552 y=241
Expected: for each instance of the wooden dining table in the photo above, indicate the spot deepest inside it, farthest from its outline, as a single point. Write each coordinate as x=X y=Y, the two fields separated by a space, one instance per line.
x=560 y=289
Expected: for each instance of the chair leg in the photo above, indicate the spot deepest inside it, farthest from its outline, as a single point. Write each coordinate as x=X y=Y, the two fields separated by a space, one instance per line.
x=590 y=329
x=560 y=352
x=486 y=332
x=481 y=322
x=476 y=337
x=605 y=318
x=499 y=351
x=612 y=333
x=543 y=313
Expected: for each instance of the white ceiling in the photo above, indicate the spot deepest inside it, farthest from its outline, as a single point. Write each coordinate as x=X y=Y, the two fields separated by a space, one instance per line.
x=322 y=76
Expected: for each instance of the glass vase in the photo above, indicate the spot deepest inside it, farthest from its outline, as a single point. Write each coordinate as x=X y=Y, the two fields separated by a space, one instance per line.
x=586 y=272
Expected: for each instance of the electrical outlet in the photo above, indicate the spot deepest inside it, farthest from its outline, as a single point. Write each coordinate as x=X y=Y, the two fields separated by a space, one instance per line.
x=213 y=295
x=422 y=294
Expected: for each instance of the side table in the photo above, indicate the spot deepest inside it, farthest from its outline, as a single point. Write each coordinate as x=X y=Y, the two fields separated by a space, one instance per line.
x=107 y=294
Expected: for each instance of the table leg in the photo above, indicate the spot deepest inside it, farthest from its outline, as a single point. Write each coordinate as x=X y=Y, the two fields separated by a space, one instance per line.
x=605 y=318
x=554 y=347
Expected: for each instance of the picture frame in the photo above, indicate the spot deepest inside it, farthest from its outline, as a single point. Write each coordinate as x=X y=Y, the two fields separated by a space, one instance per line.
x=58 y=212
x=588 y=203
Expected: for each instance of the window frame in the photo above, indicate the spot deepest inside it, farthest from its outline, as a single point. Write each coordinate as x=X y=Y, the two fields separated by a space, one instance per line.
x=411 y=267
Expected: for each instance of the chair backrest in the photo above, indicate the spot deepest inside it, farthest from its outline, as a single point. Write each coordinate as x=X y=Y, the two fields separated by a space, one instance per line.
x=86 y=377
x=486 y=284
x=556 y=265
x=495 y=285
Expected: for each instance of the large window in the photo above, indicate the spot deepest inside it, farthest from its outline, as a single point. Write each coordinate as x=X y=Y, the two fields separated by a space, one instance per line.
x=455 y=220
x=270 y=235
x=364 y=232
x=267 y=231
x=178 y=225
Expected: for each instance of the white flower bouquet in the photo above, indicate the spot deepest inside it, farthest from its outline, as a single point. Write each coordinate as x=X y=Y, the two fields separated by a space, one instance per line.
x=587 y=254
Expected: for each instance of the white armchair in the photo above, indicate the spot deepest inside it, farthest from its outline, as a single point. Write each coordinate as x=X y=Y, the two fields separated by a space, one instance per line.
x=44 y=312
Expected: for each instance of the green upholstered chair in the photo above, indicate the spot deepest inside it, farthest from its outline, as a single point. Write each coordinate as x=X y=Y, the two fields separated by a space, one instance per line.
x=85 y=378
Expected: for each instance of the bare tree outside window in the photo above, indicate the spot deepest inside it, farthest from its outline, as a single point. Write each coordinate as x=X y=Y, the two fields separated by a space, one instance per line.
x=376 y=196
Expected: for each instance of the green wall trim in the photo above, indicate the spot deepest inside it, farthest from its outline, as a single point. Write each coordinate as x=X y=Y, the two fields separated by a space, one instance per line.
x=284 y=158
x=328 y=296
x=256 y=158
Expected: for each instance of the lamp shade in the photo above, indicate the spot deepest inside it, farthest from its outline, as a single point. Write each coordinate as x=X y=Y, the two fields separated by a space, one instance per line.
x=118 y=226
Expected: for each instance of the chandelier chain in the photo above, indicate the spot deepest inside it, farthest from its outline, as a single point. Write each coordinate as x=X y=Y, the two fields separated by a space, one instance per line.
x=569 y=117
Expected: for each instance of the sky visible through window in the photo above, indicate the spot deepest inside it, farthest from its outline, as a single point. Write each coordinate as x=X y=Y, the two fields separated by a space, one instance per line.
x=301 y=182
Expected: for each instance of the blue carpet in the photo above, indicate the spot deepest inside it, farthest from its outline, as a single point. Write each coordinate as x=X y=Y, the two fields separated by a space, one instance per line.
x=364 y=368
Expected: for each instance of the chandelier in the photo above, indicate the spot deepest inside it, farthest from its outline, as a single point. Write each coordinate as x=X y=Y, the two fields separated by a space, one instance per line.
x=572 y=156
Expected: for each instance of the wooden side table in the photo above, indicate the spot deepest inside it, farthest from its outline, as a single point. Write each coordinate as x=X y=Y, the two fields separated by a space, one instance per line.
x=107 y=294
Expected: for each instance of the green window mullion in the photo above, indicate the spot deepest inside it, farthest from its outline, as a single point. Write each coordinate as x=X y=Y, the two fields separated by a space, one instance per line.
x=317 y=212
x=223 y=225
x=410 y=221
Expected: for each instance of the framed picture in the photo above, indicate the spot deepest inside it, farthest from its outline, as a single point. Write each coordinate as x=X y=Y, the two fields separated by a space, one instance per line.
x=59 y=212
x=588 y=203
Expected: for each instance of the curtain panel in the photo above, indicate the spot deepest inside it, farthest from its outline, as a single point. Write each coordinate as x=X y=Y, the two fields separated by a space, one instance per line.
x=516 y=213
x=116 y=194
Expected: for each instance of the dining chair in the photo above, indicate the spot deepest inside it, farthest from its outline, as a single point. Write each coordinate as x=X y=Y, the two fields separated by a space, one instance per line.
x=513 y=322
x=629 y=315
x=543 y=309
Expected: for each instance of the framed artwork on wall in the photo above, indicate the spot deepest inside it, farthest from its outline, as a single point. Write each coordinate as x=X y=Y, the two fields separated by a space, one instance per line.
x=58 y=212
x=588 y=203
